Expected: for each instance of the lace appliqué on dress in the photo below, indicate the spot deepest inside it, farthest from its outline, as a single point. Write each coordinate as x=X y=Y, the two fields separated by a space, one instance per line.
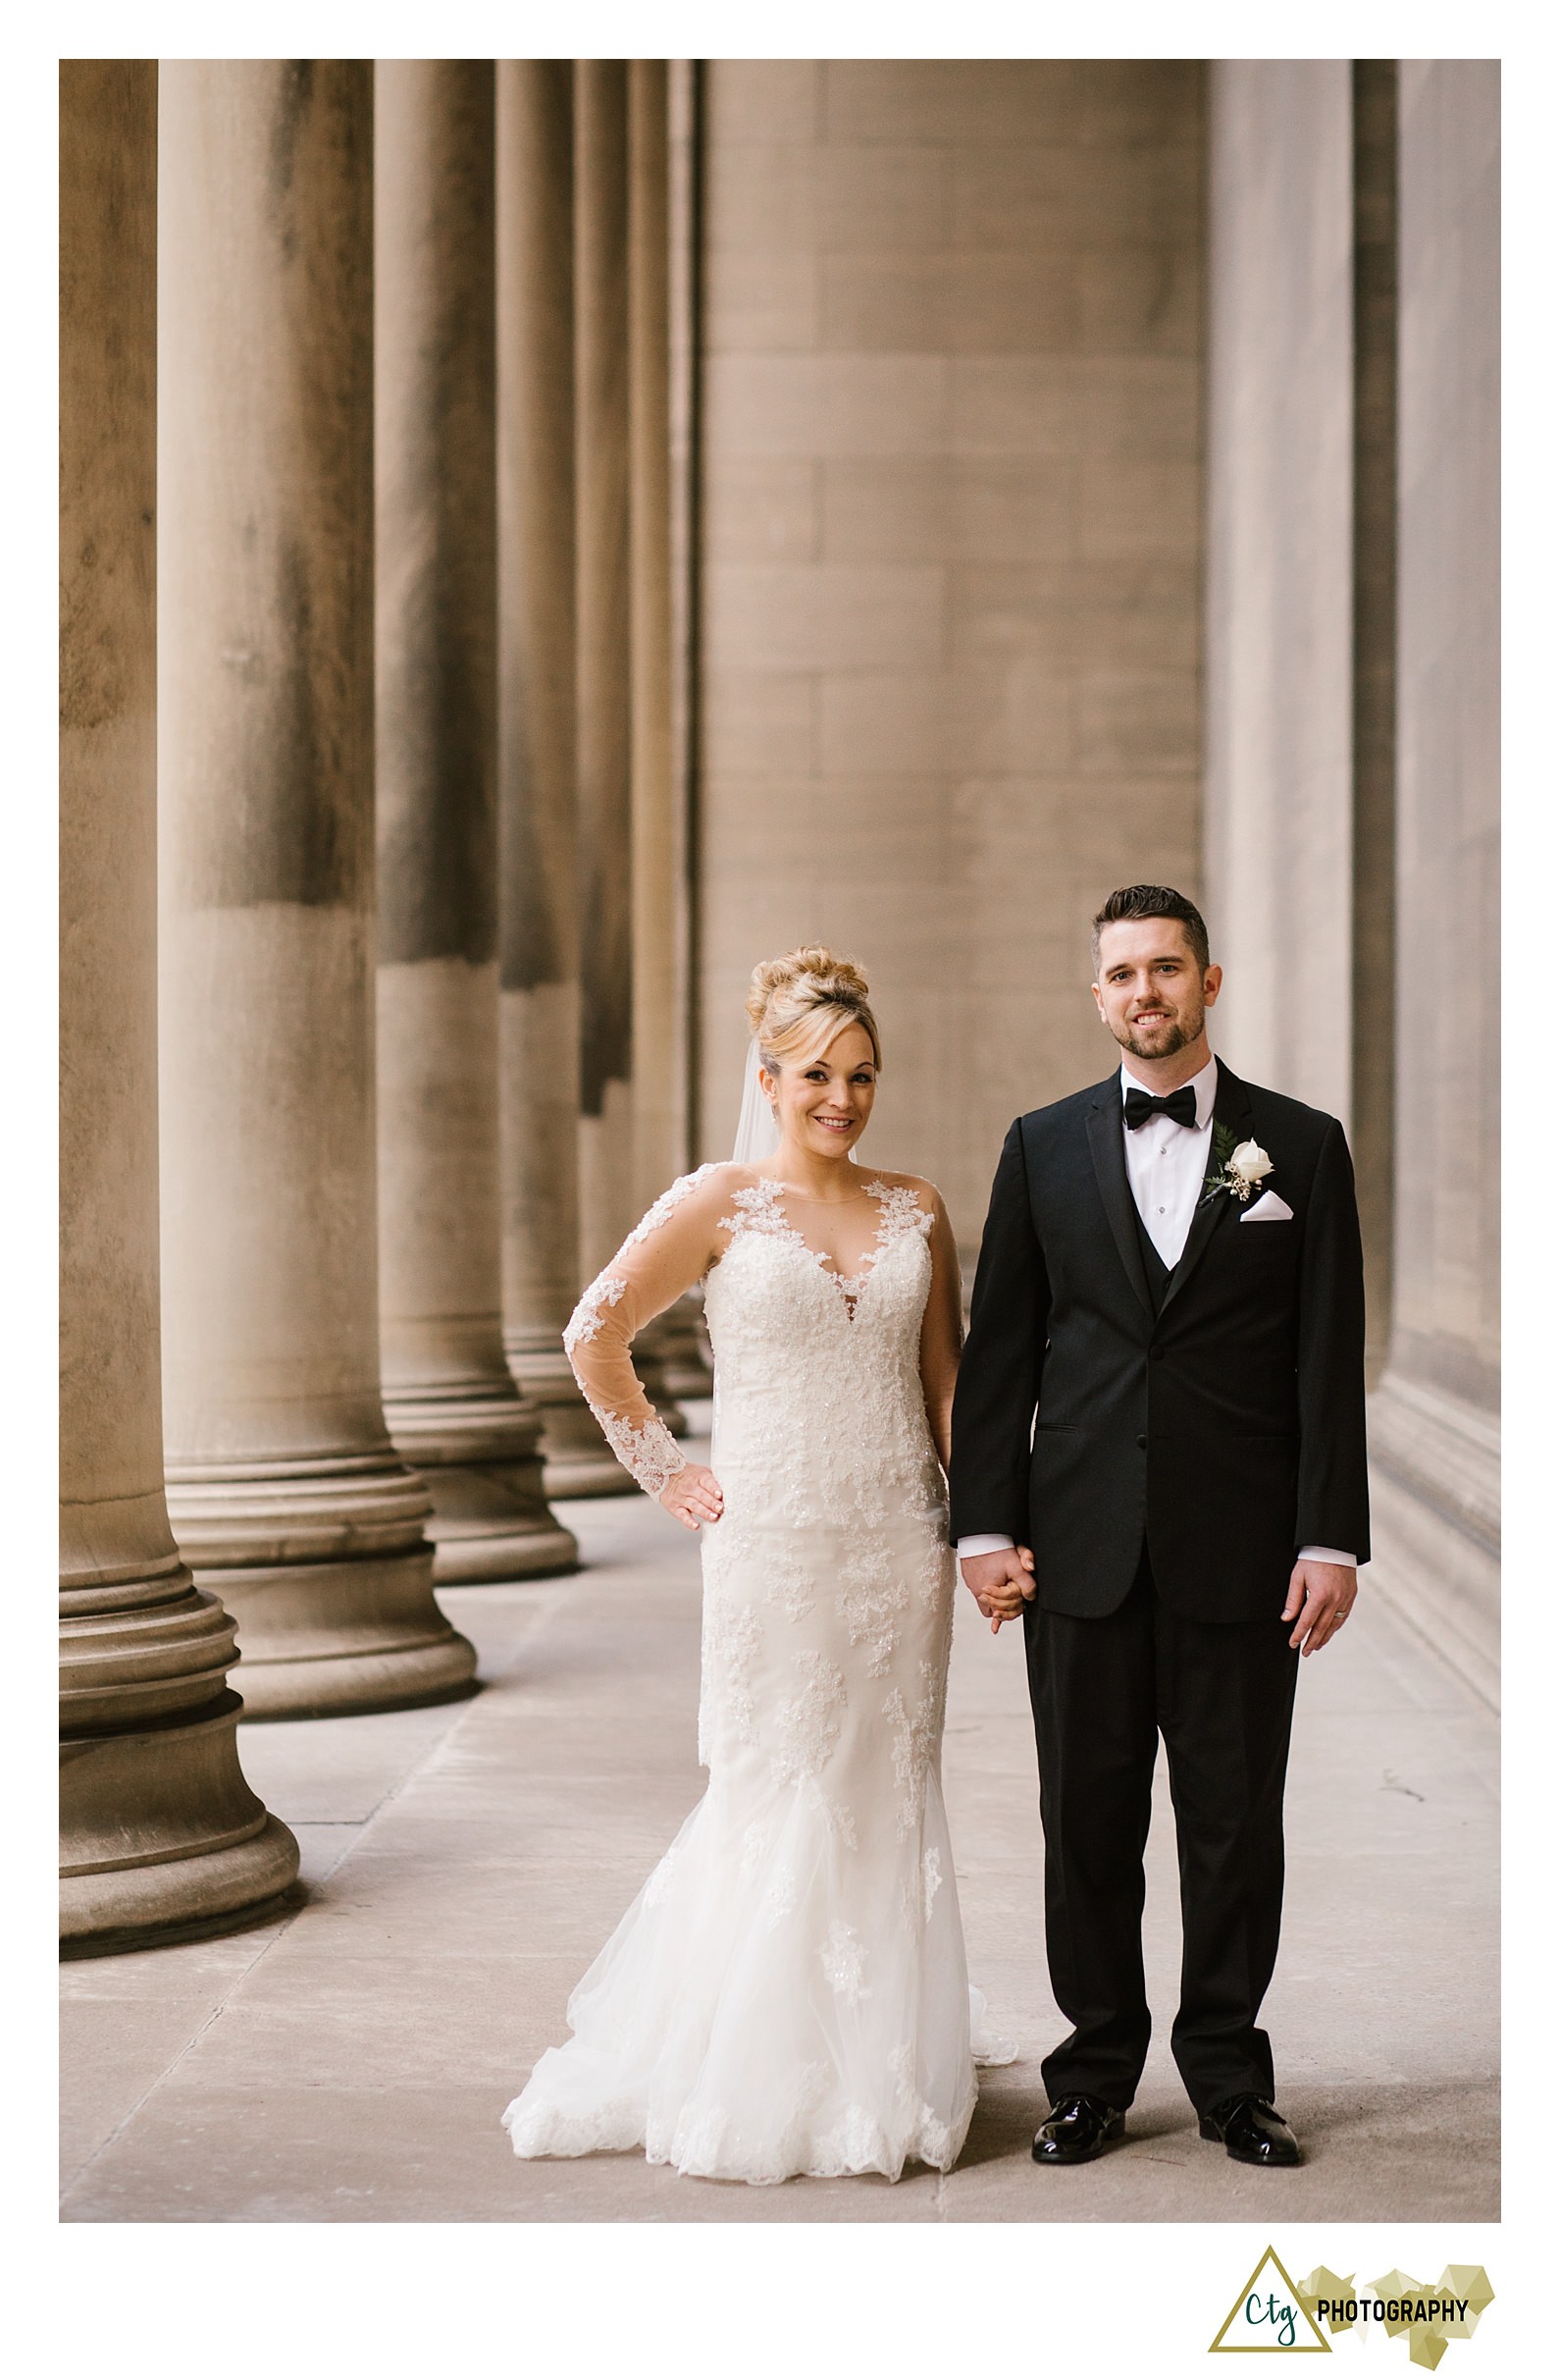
x=902 y=1211
x=731 y=1643
x=583 y=1325
x=758 y=1209
x=808 y=1726
x=873 y=1594
x=654 y=1216
x=931 y=1877
x=648 y=1453
x=917 y=1739
x=844 y=1961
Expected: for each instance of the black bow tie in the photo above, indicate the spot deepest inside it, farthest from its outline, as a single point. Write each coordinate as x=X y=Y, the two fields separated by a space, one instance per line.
x=1181 y=1105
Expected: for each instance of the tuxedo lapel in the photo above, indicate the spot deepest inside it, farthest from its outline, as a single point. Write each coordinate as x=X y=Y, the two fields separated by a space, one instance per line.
x=1232 y=1107
x=1115 y=1192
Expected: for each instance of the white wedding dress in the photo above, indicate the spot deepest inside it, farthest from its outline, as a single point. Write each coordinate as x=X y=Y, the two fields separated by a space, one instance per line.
x=787 y=1993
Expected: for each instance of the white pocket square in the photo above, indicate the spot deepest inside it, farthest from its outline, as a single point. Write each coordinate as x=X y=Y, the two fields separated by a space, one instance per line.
x=1270 y=1208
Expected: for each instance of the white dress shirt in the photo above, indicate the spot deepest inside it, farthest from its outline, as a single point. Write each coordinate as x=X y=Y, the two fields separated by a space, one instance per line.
x=1167 y=1165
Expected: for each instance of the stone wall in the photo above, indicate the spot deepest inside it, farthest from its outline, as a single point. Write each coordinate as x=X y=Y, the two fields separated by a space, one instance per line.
x=1434 y=1419
x=951 y=556
x=1352 y=829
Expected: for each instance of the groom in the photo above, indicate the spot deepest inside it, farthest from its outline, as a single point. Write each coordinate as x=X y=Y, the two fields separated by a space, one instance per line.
x=1159 y=1457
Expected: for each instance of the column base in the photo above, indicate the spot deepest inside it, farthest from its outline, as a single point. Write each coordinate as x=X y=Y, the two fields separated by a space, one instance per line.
x=162 y=1839
x=1436 y=1523
x=321 y=1639
x=490 y=1525
x=578 y=1462
x=273 y=1849
x=477 y=1446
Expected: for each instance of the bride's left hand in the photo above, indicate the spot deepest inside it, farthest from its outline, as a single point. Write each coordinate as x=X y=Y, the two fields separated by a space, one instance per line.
x=693 y=1496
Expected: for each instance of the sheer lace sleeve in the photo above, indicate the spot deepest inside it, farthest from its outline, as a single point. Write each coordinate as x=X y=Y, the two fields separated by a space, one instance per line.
x=661 y=1257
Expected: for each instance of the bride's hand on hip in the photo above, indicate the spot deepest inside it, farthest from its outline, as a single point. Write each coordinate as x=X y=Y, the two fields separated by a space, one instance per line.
x=693 y=1496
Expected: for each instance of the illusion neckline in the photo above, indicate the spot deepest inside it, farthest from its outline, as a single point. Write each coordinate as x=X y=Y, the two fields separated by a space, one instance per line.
x=851 y=1286
x=809 y=1199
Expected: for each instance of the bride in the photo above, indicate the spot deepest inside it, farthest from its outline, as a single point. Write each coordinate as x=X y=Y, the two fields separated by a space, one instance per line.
x=787 y=1993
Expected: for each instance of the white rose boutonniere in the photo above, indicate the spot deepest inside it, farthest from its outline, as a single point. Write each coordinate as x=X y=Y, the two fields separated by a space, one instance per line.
x=1238 y=1166
x=1250 y=1164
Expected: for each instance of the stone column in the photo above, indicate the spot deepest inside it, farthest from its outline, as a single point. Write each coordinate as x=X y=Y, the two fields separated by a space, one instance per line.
x=660 y=911
x=655 y=937
x=1279 y=818
x=1375 y=411
x=283 y=1486
x=449 y=1398
x=605 y=733
x=686 y=169
x=538 y=999
x=1435 y=1419
x=604 y=737
x=160 y=1836
x=604 y=677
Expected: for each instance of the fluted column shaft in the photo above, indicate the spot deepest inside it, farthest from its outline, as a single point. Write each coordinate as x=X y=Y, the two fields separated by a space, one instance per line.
x=656 y=1043
x=660 y=1121
x=538 y=999
x=603 y=751
x=604 y=677
x=159 y=1835
x=282 y=1474
x=1375 y=687
x=451 y=1403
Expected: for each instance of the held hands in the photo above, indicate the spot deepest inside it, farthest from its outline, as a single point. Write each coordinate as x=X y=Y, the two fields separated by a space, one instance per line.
x=693 y=1496
x=1001 y=1583
x=1323 y=1594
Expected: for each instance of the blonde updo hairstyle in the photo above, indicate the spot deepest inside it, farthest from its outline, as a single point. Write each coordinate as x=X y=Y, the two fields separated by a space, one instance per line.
x=796 y=1005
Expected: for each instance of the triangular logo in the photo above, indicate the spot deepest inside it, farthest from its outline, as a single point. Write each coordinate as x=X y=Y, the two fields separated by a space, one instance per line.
x=1268 y=2317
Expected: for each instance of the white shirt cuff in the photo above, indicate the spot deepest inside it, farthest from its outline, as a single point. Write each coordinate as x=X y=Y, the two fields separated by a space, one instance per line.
x=1349 y=1562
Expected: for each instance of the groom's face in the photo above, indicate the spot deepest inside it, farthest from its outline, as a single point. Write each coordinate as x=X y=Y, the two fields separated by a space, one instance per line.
x=1149 y=987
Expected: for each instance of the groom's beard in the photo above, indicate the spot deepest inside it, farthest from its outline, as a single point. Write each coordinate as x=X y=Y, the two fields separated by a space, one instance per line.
x=1164 y=1040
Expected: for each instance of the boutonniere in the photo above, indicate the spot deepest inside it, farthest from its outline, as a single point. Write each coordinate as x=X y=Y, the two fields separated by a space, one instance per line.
x=1238 y=1167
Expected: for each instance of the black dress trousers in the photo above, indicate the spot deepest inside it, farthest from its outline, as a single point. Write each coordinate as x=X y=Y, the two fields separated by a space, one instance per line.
x=1222 y=1694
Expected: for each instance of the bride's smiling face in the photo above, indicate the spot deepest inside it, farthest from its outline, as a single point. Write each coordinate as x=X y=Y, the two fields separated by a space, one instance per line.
x=822 y=1102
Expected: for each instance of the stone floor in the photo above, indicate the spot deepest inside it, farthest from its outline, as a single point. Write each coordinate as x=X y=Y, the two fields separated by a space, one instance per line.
x=465 y=1862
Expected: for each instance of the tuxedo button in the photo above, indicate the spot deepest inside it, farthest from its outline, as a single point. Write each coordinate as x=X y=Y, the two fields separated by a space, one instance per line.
x=1142 y=1442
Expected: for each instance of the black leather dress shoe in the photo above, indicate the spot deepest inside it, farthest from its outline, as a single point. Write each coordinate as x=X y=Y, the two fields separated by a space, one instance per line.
x=1075 y=2130
x=1251 y=2130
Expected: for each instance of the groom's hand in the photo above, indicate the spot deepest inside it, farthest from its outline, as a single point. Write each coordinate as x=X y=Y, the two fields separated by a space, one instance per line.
x=1001 y=1583
x=1319 y=1600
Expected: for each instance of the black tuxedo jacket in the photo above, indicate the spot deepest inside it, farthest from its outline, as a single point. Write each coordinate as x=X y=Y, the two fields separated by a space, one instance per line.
x=1227 y=1427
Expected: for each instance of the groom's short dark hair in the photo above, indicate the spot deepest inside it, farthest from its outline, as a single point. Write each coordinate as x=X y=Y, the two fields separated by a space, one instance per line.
x=1152 y=901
